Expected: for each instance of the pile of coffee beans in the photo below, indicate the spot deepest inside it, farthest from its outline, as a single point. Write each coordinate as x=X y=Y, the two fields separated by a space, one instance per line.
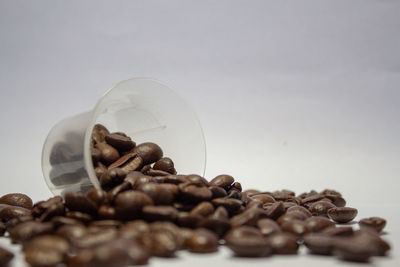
x=145 y=209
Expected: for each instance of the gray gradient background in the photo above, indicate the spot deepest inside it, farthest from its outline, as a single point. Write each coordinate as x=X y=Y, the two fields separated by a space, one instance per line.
x=291 y=94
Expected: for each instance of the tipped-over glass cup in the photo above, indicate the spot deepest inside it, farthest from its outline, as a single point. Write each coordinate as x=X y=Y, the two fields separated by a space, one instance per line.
x=143 y=108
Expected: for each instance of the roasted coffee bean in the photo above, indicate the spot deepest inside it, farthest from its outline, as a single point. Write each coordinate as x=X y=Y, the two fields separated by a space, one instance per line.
x=160 y=242
x=27 y=230
x=350 y=249
x=56 y=209
x=113 y=193
x=367 y=236
x=203 y=209
x=71 y=232
x=134 y=229
x=110 y=255
x=268 y=227
x=165 y=164
x=96 y=155
x=217 y=191
x=129 y=204
x=299 y=208
x=137 y=255
x=283 y=243
x=17 y=199
x=43 y=257
x=264 y=198
x=49 y=242
x=225 y=181
x=59 y=221
x=297 y=228
x=336 y=200
x=100 y=170
x=342 y=231
x=149 y=152
x=81 y=259
x=94 y=236
x=106 y=224
x=106 y=213
x=159 y=213
x=155 y=173
x=311 y=199
x=202 y=241
x=248 y=217
x=194 y=193
x=120 y=142
x=171 y=179
x=236 y=186
x=218 y=222
x=318 y=243
x=112 y=178
x=275 y=211
x=5 y=256
x=17 y=220
x=137 y=179
x=127 y=163
x=40 y=207
x=294 y=215
x=247 y=241
x=172 y=228
x=97 y=196
x=342 y=214
x=230 y=204
x=158 y=193
x=108 y=153
x=80 y=216
x=186 y=219
x=171 y=187
x=320 y=208
x=318 y=223
x=375 y=223
x=99 y=133
x=79 y=202
x=8 y=212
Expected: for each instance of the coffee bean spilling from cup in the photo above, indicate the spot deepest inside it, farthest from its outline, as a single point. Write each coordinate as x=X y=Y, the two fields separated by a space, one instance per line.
x=144 y=209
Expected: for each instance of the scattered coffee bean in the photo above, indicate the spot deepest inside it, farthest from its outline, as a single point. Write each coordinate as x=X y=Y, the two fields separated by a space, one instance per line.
x=320 y=208
x=283 y=243
x=247 y=241
x=149 y=152
x=375 y=223
x=17 y=199
x=119 y=141
x=342 y=214
x=108 y=153
x=202 y=241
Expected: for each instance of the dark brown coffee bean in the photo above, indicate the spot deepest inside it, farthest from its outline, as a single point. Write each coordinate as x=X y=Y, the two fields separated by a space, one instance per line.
x=294 y=215
x=99 y=133
x=159 y=213
x=342 y=231
x=81 y=259
x=72 y=231
x=57 y=209
x=76 y=201
x=149 y=152
x=49 y=242
x=158 y=193
x=160 y=242
x=331 y=192
x=165 y=164
x=8 y=212
x=311 y=199
x=288 y=205
x=350 y=249
x=297 y=228
x=94 y=237
x=318 y=243
x=336 y=200
x=276 y=210
x=236 y=186
x=283 y=243
x=17 y=199
x=108 y=153
x=234 y=194
x=218 y=222
x=171 y=179
x=5 y=256
x=264 y=198
x=128 y=163
x=320 y=208
x=247 y=241
x=110 y=255
x=299 y=208
x=268 y=227
x=112 y=178
x=17 y=220
x=60 y=221
x=203 y=209
x=194 y=193
x=230 y=204
x=134 y=229
x=96 y=155
x=80 y=216
x=170 y=227
x=342 y=214
x=367 y=236
x=113 y=193
x=27 y=230
x=97 y=196
x=202 y=241
x=375 y=223
x=137 y=179
x=129 y=204
x=100 y=170
x=40 y=207
x=217 y=191
x=106 y=213
x=318 y=223
x=105 y=224
x=248 y=217
x=43 y=257
x=137 y=255
x=186 y=219
x=120 y=142
x=197 y=180
x=155 y=173
x=225 y=181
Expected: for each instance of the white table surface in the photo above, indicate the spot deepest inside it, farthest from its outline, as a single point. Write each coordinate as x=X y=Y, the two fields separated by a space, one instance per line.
x=291 y=94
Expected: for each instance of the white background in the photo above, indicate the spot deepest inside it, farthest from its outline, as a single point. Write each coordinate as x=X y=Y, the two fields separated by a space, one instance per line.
x=291 y=94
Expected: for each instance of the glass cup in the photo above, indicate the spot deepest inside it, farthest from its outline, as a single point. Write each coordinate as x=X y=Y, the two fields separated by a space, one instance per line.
x=143 y=108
